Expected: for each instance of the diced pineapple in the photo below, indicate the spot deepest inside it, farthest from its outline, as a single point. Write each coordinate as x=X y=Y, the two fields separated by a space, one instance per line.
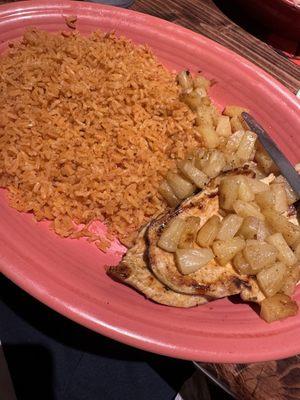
x=204 y=117
x=192 y=99
x=229 y=227
x=213 y=163
x=271 y=279
x=280 y=223
x=171 y=235
x=223 y=127
x=187 y=168
x=277 y=307
x=185 y=80
x=234 y=141
x=290 y=194
x=259 y=254
x=236 y=124
x=201 y=82
x=289 y=285
x=209 y=136
x=180 y=186
x=189 y=233
x=285 y=253
x=228 y=192
x=215 y=114
x=241 y=265
x=263 y=160
x=190 y=260
x=244 y=209
x=291 y=280
x=208 y=232
x=196 y=155
x=245 y=191
x=257 y=186
x=249 y=227
x=202 y=92
x=245 y=151
x=225 y=250
x=263 y=231
x=265 y=199
x=232 y=111
x=280 y=198
x=166 y=191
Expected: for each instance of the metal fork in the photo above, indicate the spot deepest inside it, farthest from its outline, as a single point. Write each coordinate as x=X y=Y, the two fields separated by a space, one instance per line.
x=283 y=164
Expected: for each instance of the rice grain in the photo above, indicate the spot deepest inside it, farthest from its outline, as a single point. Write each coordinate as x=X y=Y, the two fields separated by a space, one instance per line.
x=88 y=127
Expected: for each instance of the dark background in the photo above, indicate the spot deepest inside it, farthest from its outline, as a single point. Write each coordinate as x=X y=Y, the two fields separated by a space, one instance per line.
x=51 y=357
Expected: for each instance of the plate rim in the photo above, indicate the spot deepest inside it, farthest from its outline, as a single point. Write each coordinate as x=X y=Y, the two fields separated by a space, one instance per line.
x=63 y=307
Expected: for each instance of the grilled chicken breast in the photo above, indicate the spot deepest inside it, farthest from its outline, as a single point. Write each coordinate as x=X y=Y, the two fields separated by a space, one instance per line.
x=153 y=271
x=133 y=270
x=211 y=280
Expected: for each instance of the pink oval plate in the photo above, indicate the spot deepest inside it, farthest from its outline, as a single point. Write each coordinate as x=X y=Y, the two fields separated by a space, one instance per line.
x=69 y=275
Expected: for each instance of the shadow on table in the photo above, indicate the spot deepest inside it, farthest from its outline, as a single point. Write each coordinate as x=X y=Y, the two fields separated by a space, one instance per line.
x=37 y=387
x=240 y=18
x=70 y=334
x=249 y=24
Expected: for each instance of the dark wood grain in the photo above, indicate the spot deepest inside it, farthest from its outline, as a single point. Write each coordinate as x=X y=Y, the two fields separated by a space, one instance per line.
x=204 y=16
x=276 y=380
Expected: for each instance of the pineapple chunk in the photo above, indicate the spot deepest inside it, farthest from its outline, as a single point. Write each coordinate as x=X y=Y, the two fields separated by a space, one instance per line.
x=167 y=193
x=201 y=82
x=263 y=231
x=271 y=279
x=228 y=192
x=193 y=99
x=265 y=199
x=225 y=250
x=189 y=232
x=263 y=160
x=233 y=111
x=280 y=223
x=229 y=227
x=259 y=254
x=290 y=194
x=280 y=198
x=234 y=141
x=204 y=116
x=244 y=209
x=171 y=235
x=246 y=149
x=180 y=186
x=249 y=227
x=236 y=124
x=223 y=127
x=285 y=253
x=192 y=173
x=245 y=191
x=190 y=260
x=256 y=185
x=185 y=80
x=291 y=280
x=212 y=163
x=209 y=231
x=241 y=265
x=209 y=135
x=277 y=307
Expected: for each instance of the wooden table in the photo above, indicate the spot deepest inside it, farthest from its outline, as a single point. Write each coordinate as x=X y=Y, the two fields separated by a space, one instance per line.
x=276 y=380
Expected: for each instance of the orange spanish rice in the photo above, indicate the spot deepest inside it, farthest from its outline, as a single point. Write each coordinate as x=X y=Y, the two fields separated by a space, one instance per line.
x=88 y=127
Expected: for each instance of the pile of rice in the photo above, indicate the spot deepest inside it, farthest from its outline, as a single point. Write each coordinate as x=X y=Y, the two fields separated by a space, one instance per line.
x=88 y=128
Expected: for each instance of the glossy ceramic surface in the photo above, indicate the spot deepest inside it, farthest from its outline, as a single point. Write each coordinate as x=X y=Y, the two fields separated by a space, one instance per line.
x=69 y=275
